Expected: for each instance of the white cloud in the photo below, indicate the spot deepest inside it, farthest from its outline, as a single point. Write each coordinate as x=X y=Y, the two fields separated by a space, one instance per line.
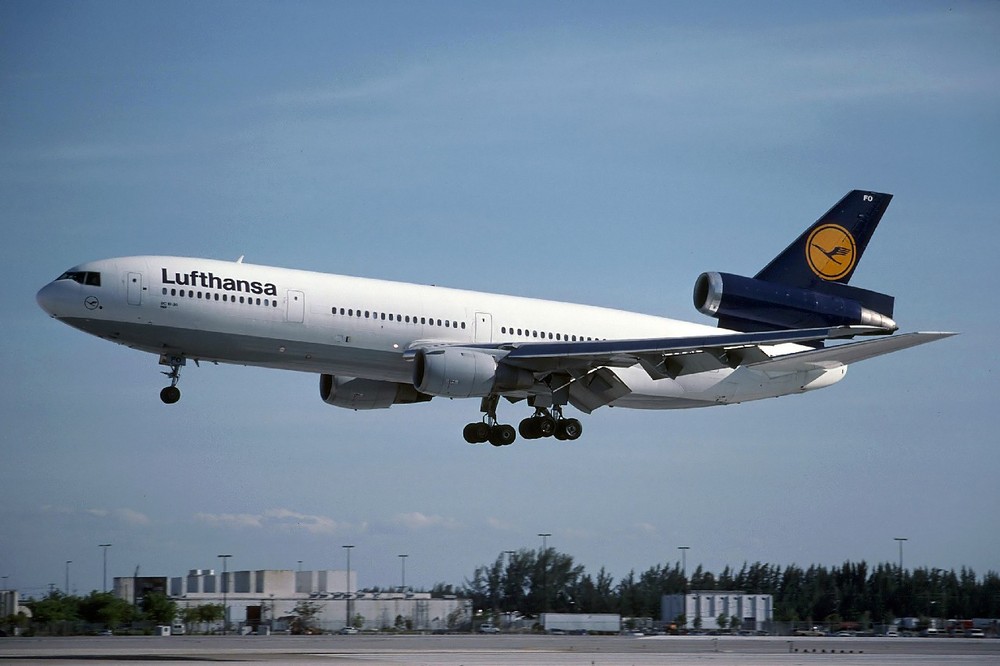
x=417 y=521
x=132 y=516
x=281 y=518
x=125 y=515
x=230 y=519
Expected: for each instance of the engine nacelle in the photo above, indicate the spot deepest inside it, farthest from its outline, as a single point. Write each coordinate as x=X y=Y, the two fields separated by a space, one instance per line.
x=746 y=303
x=356 y=393
x=456 y=372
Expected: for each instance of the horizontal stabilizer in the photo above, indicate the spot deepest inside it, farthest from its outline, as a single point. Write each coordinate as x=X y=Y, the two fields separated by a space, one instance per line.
x=845 y=354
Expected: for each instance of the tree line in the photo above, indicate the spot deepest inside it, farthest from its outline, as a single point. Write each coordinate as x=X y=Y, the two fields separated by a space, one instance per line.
x=61 y=613
x=536 y=581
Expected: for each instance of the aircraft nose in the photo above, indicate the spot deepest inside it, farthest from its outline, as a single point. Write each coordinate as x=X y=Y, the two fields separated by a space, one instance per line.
x=48 y=298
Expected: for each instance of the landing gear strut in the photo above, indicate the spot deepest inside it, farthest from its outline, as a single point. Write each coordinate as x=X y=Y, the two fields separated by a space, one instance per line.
x=544 y=423
x=550 y=424
x=172 y=394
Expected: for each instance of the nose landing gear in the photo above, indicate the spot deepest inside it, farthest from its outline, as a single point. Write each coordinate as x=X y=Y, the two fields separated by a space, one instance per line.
x=171 y=394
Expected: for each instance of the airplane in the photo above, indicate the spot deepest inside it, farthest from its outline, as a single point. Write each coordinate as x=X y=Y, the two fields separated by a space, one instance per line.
x=375 y=343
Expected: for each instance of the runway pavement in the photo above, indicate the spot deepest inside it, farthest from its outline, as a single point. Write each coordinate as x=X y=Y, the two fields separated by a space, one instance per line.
x=466 y=650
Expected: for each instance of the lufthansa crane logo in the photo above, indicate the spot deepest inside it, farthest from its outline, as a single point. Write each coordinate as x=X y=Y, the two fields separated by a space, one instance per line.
x=831 y=251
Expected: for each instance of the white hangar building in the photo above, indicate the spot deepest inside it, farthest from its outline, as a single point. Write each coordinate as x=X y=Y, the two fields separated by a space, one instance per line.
x=754 y=611
x=268 y=598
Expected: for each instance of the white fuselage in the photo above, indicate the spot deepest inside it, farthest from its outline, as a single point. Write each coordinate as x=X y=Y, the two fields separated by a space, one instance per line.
x=244 y=314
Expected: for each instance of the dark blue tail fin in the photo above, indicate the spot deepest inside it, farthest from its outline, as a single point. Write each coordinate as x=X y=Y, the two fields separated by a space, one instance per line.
x=829 y=250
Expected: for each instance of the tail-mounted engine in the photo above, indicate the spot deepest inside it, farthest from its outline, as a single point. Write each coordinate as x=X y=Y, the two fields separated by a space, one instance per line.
x=748 y=304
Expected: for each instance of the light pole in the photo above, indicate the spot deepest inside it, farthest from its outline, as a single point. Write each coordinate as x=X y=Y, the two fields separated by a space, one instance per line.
x=348 y=549
x=105 y=546
x=402 y=560
x=684 y=566
x=545 y=570
x=68 y=562
x=225 y=592
x=900 y=540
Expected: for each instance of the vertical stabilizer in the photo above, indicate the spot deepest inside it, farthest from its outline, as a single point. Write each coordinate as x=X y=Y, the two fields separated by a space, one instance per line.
x=829 y=250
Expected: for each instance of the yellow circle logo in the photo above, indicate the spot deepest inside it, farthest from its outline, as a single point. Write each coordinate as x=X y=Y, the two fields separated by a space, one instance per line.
x=831 y=251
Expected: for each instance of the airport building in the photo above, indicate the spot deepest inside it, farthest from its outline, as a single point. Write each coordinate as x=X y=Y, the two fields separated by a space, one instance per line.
x=701 y=609
x=265 y=600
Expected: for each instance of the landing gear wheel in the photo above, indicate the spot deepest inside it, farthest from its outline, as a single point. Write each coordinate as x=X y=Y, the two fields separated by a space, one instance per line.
x=527 y=428
x=502 y=435
x=568 y=429
x=545 y=425
x=170 y=395
x=476 y=433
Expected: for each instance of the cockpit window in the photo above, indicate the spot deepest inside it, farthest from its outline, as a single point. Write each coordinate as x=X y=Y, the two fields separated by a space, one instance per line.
x=90 y=278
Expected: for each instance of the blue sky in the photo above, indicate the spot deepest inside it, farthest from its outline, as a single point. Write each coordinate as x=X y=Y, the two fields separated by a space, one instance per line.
x=604 y=153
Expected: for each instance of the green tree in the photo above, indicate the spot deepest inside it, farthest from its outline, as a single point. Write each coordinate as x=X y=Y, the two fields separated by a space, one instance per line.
x=105 y=608
x=722 y=621
x=305 y=617
x=159 y=608
x=55 y=611
x=210 y=613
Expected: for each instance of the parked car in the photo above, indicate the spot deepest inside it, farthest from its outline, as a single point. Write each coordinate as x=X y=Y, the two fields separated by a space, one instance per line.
x=488 y=628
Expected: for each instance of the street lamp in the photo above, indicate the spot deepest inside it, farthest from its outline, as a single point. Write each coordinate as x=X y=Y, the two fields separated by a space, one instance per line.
x=105 y=546
x=900 y=540
x=545 y=570
x=68 y=562
x=684 y=566
x=225 y=591
x=348 y=549
x=402 y=560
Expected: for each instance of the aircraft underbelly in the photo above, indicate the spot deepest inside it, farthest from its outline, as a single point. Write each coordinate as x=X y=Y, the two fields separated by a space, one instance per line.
x=243 y=349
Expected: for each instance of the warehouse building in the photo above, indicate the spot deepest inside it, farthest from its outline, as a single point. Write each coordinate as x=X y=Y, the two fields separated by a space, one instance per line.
x=702 y=608
x=265 y=600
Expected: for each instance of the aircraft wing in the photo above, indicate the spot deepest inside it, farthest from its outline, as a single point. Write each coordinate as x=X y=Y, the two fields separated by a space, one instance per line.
x=581 y=369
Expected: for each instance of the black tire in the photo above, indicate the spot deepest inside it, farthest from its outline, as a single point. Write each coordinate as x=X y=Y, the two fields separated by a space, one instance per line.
x=545 y=425
x=170 y=395
x=476 y=432
x=502 y=435
x=572 y=428
x=527 y=429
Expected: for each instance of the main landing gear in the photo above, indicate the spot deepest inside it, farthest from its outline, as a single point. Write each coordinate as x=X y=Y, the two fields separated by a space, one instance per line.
x=544 y=423
x=172 y=394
